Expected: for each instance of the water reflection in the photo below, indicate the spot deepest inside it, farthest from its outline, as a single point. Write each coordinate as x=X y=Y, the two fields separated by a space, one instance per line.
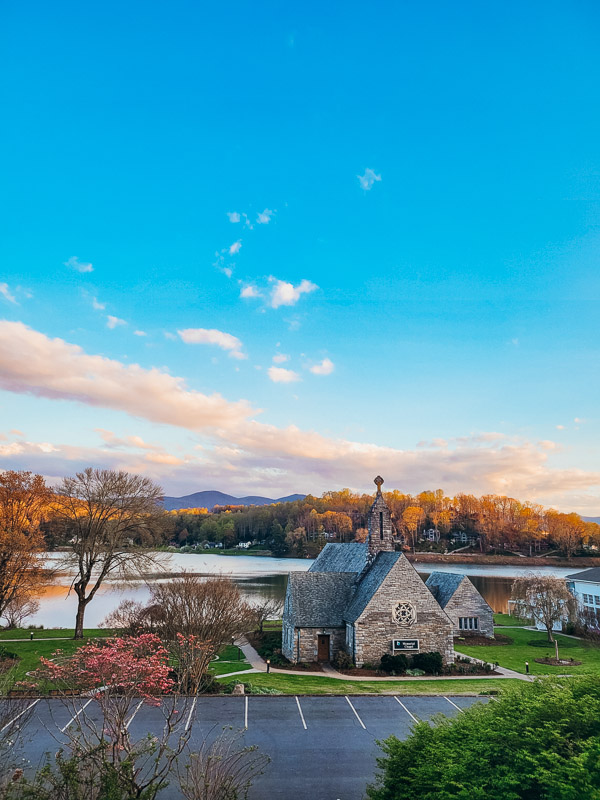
x=57 y=608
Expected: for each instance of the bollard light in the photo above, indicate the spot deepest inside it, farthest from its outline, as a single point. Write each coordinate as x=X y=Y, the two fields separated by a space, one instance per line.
x=31 y=636
x=268 y=665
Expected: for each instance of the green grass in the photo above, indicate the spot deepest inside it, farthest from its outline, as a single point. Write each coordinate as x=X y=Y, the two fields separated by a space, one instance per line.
x=51 y=633
x=30 y=653
x=307 y=684
x=514 y=656
x=509 y=621
x=225 y=667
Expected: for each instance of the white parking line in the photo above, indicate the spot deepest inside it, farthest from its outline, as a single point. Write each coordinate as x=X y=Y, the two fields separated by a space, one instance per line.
x=246 y=714
x=74 y=717
x=301 y=714
x=189 y=719
x=454 y=704
x=412 y=716
x=355 y=712
x=25 y=710
x=137 y=708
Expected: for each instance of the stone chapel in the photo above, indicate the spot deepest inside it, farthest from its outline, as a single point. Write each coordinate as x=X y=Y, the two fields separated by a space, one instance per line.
x=365 y=599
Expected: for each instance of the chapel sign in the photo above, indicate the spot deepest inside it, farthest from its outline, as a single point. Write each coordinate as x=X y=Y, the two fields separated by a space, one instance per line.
x=405 y=644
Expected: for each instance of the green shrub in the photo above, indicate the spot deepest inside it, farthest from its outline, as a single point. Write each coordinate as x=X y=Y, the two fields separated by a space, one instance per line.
x=415 y=673
x=343 y=660
x=6 y=654
x=396 y=665
x=430 y=663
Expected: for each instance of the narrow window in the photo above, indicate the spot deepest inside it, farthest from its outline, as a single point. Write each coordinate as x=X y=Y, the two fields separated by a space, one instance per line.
x=597 y=600
x=381 y=524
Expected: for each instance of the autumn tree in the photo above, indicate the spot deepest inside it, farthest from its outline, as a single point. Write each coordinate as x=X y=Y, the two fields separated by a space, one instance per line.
x=413 y=518
x=542 y=598
x=109 y=516
x=24 y=502
x=566 y=531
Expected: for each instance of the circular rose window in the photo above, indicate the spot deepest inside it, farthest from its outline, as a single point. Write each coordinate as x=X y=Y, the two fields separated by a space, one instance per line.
x=404 y=614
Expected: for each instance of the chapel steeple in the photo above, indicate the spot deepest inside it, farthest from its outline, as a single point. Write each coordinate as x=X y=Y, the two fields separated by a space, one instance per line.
x=379 y=524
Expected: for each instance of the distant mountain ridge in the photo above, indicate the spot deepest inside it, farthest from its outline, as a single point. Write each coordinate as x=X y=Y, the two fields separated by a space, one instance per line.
x=591 y=519
x=210 y=499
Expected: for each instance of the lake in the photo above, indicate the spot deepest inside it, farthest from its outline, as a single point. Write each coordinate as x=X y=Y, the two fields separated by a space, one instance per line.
x=257 y=578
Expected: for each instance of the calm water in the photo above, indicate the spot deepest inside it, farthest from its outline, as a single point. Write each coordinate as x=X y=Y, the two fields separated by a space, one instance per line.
x=257 y=578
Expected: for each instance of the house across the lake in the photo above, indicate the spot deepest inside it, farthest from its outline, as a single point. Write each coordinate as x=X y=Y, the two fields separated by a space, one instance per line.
x=366 y=599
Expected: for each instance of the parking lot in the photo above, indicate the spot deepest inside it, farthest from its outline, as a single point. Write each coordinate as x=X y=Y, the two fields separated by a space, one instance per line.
x=320 y=747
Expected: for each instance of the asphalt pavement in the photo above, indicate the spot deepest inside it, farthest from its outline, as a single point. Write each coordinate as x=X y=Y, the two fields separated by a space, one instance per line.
x=321 y=748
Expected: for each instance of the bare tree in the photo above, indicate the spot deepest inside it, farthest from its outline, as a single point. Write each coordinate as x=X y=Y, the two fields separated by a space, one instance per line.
x=271 y=608
x=17 y=610
x=542 y=598
x=221 y=770
x=110 y=516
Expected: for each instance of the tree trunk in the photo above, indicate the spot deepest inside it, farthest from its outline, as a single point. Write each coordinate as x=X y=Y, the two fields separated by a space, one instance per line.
x=79 y=618
x=550 y=637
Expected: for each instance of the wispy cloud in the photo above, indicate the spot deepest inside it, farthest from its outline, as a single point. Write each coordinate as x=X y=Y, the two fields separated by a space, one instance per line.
x=325 y=367
x=97 y=305
x=225 y=341
x=235 y=247
x=114 y=322
x=80 y=266
x=264 y=217
x=233 y=216
x=286 y=294
x=280 y=358
x=250 y=291
x=368 y=179
x=140 y=333
x=282 y=375
x=7 y=294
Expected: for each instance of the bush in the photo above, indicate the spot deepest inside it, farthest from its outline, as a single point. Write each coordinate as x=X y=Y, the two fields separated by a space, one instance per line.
x=431 y=663
x=415 y=673
x=394 y=664
x=343 y=660
x=6 y=654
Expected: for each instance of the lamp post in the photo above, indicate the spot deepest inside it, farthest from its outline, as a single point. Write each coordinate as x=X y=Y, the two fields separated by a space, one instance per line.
x=268 y=665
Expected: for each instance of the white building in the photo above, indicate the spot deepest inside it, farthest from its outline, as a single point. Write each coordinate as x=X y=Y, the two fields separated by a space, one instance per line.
x=585 y=587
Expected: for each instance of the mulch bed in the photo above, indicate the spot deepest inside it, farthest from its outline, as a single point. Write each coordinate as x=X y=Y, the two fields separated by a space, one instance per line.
x=366 y=673
x=299 y=667
x=499 y=640
x=8 y=663
x=561 y=662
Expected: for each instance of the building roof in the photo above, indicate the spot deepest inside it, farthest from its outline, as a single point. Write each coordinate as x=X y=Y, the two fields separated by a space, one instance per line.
x=442 y=585
x=350 y=557
x=592 y=575
x=370 y=583
x=319 y=599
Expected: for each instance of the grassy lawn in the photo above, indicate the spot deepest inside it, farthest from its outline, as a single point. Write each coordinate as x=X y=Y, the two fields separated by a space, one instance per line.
x=52 y=633
x=306 y=684
x=514 y=656
x=508 y=621
x=31 y=652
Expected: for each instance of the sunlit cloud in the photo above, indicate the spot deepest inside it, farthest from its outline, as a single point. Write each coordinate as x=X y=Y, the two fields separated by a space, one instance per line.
x=249 y=292
x=76 y=264
x=325 y=367
x=225 y=341
x=282 y=375
x=97 y=305
x=286 y=294
x=114 y=322
x=233 y=216
x=368 y=179
x=280 y=358
x=235 y=247
x=140 y=333
x=264 y=217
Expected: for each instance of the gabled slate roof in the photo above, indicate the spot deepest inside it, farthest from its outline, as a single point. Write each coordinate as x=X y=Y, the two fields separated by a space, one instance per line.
x=341 y=558
x=592 y=575
x=442 y=585
x=370 y=583
x=319 y=599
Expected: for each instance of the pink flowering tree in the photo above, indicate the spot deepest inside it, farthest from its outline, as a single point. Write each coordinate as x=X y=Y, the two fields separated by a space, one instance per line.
x=119 y=675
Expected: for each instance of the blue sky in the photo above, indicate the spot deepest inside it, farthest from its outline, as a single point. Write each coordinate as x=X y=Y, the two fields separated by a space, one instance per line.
x=415 y=196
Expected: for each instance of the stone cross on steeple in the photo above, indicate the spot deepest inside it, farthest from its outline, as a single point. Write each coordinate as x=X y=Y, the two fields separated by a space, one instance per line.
x=380 y=524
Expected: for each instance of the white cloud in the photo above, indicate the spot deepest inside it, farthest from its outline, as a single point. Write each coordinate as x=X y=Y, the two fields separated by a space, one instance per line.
x=170 y=336
x=233 y=216
x=282 y=375
x=280 y=358
x=227 y=271
x=97 y=306
x=286 y=294
x=114 y=322
x=250 y=291
x=235 y=247
x=32 y=363
x=7 y=294
x=264 y=217
x=80 y=266
x=212 y=336
x=560 y=427
x=368 y=179
x=140 y=333
x=326 y=367
x=579 y=421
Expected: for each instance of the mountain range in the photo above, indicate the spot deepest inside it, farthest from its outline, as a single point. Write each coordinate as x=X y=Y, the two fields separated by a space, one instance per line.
x=211 y=499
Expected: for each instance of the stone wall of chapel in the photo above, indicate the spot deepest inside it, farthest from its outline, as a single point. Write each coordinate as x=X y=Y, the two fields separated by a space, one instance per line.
x=467 y=602
x=375 y=629
x=305 y=646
